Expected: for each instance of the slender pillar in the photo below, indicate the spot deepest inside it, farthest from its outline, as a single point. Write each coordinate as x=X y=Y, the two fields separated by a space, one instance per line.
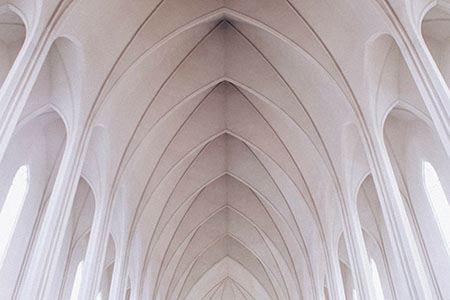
x=400 y=233
x=118 y=281
x=433 y=88
x=13 y=98
x=38 y=277
x=96 y=252
x=20 y=80
x=335 y=283
x=427 y=76
x=18 y=85
x=357 y=252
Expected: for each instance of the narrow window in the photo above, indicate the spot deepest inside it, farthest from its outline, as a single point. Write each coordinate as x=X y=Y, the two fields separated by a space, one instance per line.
x=11 y=209
x=438 y=200
x=99 y=296
x=77 y=282
x=376 y=280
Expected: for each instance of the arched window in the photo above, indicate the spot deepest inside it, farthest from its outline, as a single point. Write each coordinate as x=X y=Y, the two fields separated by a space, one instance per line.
x=12 y=207
x=376 y=280
x=438 y=200
x=77 y=282
x=99 y=296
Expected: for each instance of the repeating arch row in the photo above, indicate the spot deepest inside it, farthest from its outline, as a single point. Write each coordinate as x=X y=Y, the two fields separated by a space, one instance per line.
x=224 y=149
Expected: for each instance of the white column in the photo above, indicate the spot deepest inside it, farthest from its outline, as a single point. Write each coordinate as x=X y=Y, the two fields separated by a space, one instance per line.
x=18 y=85
x=96 y=252
x=44 y=256
x=427 y=76
x=38 y=276
x=400 y=233
x=357 y=252
x=20 y=80
x=433 y=88
x=335 y=283
x=119 y=278
x=13 y=97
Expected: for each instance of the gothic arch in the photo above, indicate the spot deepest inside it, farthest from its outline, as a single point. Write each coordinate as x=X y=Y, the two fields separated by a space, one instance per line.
x=225 y=149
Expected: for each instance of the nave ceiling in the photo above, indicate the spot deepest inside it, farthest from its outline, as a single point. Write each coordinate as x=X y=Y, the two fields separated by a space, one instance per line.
x=225 y=136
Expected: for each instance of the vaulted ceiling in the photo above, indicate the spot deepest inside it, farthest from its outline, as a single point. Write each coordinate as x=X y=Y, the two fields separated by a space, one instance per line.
x=220 y=133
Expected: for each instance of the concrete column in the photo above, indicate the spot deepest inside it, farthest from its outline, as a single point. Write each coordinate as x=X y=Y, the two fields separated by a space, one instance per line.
x=432 y=86
x=96 y=252
x=20 y=80
x=119 y=278
x=335 y=283
x=357 y=252
x=38 y=276
x=400 y=233
x=17 y=87
x=427 y=76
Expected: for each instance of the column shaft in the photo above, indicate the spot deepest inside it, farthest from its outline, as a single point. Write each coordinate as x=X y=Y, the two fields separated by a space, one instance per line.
x=335 y=283
x=357 y=252
x=429 y=80
x=400 y=233
x=39 y=274
x=117 y=291
x=432 y=86
x=96 y=252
